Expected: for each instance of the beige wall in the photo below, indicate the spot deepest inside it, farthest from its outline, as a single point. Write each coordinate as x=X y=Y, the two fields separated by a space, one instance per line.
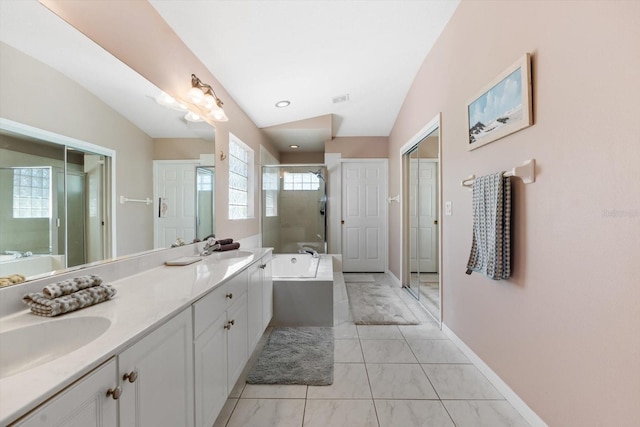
x=135 y=33
x=301 y=157
x=181 y=148
x=37 y=95
x=564 y=331
x=359 y=147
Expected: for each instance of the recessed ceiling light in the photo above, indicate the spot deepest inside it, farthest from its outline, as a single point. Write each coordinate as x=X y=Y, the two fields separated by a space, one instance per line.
x=294 y=146
x=282 y=104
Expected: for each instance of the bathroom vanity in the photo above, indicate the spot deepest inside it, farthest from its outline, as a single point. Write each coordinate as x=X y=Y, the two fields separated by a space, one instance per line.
x=165 y=351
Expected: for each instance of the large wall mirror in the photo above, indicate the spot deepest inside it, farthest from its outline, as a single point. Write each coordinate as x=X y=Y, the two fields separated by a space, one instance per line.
x=58 y=83
x=56 y=211
x=421 y=218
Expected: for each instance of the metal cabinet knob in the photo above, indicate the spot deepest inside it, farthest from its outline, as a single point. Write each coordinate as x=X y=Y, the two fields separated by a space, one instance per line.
x=230 y=295
x=115 y=393
x=229 y=324
x=130 y=376
x=263 y=266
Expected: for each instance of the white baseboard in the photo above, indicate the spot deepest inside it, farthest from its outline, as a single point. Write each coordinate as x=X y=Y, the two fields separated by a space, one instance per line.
x=518 y=404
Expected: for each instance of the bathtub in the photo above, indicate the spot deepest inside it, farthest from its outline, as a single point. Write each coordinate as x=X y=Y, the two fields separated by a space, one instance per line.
x=32 y=266
x=302 y=290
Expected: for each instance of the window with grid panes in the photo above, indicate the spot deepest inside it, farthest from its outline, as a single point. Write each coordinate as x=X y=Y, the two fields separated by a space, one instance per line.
x=31 y=192
x=240 y=190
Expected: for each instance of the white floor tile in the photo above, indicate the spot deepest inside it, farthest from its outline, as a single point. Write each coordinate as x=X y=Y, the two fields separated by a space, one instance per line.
x=484 y=413
x=349 y=382
x=437 y=351
x=425 y=331
x=346 y=330
x=269 y=391
x=387 y=351
x=460 y=382
x=399 y=381
x=347 y=351
x=268 y=412
x=412 y=413
x=379 y=332
x=340 y=413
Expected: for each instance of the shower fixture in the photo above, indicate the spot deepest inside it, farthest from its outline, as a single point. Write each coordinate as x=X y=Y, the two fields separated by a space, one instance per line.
x=318 y=173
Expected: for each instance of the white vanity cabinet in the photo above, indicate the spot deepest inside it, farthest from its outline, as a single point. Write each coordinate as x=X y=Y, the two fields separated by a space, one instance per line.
x=84 y=404
x=156 y=376
x=260 y=299
x=220 y=346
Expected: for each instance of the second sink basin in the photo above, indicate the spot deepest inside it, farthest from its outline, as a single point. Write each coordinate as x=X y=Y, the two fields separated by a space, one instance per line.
x=30 y=346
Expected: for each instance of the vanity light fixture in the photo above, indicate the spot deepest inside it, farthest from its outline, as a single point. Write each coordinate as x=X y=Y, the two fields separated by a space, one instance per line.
x=203 y=96
x=294 y=146
x=193 y=117
x=283 y=104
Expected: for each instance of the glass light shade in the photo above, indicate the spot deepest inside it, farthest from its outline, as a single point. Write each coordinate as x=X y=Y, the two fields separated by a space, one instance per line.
x=195 y=95
x=165 y=99
x=218 y=114
x=208 y=101
x=192 y=117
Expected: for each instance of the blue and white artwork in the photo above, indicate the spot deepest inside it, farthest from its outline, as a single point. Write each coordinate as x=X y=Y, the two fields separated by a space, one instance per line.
x=498 y=108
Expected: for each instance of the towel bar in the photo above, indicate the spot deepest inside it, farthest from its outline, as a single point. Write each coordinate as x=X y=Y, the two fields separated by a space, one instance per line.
x=147 y=201
x=526 y=172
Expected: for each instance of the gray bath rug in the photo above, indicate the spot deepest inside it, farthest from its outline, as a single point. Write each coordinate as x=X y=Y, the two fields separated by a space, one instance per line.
x=376 y=304
x=358 y=277
x=295 y=356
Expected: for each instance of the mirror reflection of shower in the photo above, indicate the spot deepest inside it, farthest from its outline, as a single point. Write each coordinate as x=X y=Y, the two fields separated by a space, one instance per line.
x=294 y=208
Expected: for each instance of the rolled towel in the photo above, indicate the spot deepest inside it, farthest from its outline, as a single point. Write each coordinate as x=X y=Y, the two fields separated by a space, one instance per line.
x=12 y=279
x=224 y=241
x=43 y=306
x=69 y=286
x=229 y=247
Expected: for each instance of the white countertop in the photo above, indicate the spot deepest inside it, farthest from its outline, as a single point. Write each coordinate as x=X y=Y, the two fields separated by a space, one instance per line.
x=144 y=302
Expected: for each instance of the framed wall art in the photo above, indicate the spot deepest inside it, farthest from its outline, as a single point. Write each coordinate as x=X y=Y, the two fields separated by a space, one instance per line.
x=502 y=107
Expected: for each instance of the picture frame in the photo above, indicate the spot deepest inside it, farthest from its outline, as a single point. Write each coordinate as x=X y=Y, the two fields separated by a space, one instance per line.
x=502 y=107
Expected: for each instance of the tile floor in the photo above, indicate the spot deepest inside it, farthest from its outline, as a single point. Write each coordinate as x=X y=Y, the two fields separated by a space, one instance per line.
x=384 y=376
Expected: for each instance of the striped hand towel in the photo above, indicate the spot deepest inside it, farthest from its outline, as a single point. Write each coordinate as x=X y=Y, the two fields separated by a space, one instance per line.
x=491 y=245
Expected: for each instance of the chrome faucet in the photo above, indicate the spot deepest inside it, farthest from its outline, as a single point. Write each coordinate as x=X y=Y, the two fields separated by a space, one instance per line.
x=209 y=247
x=18 y=254
x=306 y=250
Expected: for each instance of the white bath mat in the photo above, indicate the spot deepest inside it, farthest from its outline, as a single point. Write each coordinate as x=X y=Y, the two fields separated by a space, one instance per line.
x=358 y=277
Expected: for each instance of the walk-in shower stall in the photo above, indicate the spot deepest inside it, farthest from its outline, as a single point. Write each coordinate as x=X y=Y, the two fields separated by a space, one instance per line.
x=294 y=208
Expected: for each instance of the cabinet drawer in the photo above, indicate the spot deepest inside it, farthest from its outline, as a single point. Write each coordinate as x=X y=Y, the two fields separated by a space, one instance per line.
x=211 y=306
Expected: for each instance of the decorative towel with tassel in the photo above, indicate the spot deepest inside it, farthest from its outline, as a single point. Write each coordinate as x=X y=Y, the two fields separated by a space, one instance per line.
x=43 y=305
x=491 y=245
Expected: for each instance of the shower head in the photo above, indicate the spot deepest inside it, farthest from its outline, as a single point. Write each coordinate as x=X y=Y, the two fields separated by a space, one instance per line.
x=318 y=173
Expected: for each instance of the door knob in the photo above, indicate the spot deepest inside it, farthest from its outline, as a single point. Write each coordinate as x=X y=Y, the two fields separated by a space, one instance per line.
x=342 y=222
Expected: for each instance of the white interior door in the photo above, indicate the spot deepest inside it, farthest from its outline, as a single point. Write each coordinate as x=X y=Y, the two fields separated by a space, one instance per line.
x=174 y=190
x=364 y=216
x=427 y=212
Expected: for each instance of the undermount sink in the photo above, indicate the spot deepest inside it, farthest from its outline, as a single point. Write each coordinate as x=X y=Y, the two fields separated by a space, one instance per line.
x=231 y=254
x=30 y=346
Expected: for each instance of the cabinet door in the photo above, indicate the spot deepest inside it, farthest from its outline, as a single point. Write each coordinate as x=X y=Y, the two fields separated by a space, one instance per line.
x=267 y=292
x=237 y=343
x=255 y=304
x=84 y=404
x=210 y=351
x=162 y=393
